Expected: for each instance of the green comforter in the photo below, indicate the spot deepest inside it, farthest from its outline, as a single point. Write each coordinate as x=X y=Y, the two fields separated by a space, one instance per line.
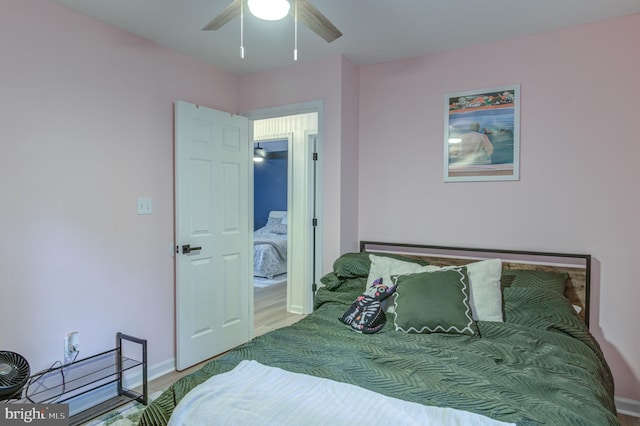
x=541 y=366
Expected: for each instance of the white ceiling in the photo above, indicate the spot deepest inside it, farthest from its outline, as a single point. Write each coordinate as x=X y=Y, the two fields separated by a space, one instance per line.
x=374 y=31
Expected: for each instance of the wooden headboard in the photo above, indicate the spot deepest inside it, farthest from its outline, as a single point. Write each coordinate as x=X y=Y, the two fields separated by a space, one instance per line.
x=577 y=266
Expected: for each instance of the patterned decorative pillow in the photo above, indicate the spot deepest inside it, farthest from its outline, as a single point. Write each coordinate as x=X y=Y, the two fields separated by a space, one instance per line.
x=378 y=291
x=434 y=302
x=367 y=319
x=366 y=315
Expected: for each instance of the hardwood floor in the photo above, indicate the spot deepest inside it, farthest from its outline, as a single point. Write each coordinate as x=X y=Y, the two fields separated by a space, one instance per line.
x=270 y=311
x=628 y=420
x=270 y=314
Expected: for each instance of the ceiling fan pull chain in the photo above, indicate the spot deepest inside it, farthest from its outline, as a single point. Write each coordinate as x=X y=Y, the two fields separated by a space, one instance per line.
x=295 y=20
x=242 y=30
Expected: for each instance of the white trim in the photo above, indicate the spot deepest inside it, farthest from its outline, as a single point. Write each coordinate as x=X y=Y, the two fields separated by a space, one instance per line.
x=161 y=369
x=290 y=109
x=251 y=225
x=85 y=401
x=275 y=138
x=627 y=406
x=319 y=189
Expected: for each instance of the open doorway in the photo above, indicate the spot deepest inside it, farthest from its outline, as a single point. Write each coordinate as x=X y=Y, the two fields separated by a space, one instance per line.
x=285 y=191
x=270 y=212
x=270 y=240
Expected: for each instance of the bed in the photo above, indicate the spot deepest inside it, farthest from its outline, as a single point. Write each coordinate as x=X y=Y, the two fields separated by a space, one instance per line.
x=270 y=246
x=537 y=363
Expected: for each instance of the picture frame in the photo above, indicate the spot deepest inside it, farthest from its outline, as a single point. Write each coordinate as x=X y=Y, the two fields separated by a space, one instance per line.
x=482 y=135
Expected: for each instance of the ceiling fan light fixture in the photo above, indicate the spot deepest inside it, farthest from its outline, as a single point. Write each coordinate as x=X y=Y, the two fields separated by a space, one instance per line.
x=269 y=10
x=259 y=154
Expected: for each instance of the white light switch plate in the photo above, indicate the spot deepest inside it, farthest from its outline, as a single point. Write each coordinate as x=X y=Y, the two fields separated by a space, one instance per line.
x=145 y=206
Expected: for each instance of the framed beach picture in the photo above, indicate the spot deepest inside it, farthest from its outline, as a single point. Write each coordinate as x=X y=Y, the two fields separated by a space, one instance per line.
x=482 y=135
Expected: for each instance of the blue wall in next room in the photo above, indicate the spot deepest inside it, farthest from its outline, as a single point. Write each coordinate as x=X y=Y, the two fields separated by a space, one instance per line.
x=270 y=186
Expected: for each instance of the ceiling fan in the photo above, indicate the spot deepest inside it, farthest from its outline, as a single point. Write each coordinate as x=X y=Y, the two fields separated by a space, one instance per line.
x=304 y=11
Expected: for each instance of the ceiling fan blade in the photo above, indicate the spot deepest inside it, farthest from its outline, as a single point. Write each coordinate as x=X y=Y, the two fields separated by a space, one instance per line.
x=316 y=21
x=228 y=14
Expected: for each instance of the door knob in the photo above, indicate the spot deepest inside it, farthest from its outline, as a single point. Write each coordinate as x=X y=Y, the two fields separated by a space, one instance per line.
x=186 y=248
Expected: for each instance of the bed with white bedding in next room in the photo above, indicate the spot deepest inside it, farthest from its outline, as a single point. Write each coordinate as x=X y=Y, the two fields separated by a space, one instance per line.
x=270 y=246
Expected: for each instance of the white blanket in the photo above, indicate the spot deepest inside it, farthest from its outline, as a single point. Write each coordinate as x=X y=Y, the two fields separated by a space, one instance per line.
x=254 y=394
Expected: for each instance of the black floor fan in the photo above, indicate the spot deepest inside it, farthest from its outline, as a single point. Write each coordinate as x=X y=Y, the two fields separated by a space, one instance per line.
x=14 y=373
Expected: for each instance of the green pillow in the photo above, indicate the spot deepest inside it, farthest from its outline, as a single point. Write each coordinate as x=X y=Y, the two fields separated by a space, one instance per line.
x=433 y=302
x=354 y=265
x=543 y=280
x=331 y=281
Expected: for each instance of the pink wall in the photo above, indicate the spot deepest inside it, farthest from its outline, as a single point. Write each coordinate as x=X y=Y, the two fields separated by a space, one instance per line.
x=579 y=162
x=87 y=127
x=349 y=165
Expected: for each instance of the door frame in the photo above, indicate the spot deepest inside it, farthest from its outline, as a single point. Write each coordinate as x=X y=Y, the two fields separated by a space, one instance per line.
x=316 y=106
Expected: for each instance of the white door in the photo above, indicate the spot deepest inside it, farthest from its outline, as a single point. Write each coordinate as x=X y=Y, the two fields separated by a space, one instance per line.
x=213 y=256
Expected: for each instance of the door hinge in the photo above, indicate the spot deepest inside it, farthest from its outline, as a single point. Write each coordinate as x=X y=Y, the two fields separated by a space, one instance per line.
x=315 y=156
x=314 y=222
x=314 y=287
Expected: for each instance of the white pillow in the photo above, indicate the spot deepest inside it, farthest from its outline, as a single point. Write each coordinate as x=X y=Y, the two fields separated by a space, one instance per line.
x=383 y=267
x=486 y=293
x=484 y=280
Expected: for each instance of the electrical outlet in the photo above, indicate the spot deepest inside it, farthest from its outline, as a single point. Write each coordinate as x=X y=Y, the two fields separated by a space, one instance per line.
x=71 y=345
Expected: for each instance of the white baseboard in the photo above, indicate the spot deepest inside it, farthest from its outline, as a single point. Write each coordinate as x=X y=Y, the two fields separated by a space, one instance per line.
x=161 y=369
x=153 y=372
x=131 y=381
x=627 y=406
